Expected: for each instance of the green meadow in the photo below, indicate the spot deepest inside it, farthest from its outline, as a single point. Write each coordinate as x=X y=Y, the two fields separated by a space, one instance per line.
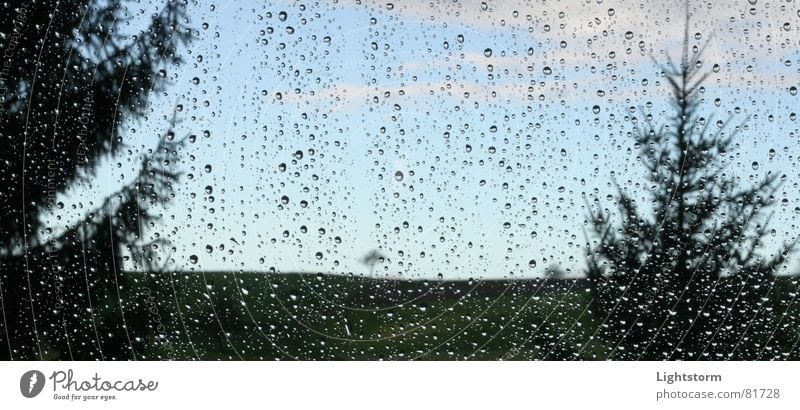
x=261 y=316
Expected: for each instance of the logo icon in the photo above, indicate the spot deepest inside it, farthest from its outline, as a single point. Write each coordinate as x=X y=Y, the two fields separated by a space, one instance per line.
x=31 y=383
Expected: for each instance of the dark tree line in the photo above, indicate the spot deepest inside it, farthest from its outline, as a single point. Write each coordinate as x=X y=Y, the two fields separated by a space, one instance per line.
x=71 y=77
x=688 y=277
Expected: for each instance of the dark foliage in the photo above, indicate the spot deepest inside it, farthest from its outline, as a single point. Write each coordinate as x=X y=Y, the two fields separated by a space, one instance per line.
x=70 y=79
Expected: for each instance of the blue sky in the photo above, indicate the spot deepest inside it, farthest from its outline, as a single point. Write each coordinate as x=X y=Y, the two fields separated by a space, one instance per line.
x=457 y=138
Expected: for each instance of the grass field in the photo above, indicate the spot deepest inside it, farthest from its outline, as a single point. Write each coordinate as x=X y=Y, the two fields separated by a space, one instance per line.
x=301 y=316
x=259 y=316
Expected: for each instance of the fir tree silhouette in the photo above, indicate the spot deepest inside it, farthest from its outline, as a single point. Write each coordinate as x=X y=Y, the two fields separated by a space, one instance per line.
x=69 y=80
x=686 y=278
